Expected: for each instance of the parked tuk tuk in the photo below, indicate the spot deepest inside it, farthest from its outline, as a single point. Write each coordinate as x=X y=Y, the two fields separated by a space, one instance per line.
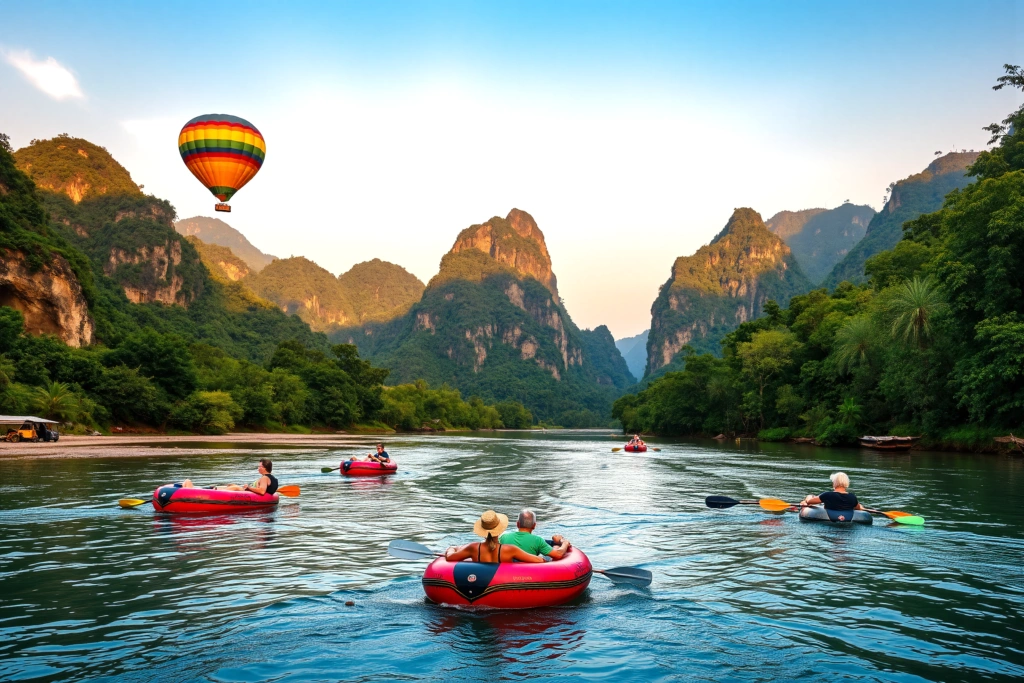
x=28 y=428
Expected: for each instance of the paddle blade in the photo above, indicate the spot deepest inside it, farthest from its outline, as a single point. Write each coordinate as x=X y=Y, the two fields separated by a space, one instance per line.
x=893 y=514
x=128 y=503
x=616 y=450
x=774 y=504
x=720 y=502
x=631 y=575
x=912 y=520
x=656 y=449
x=408 y=550
x=325 y=470
x=292 y=491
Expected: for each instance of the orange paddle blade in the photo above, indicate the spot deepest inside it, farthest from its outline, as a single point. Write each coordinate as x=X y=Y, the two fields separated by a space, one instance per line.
x=893 y=514
x=774 y=504
x=291 y=491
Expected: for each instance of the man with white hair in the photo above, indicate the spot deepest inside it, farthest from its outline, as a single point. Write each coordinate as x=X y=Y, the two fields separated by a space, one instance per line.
x=524 y=538
x=838 y=498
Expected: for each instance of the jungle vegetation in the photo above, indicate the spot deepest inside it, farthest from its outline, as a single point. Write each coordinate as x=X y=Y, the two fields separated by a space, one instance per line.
x=931 y=344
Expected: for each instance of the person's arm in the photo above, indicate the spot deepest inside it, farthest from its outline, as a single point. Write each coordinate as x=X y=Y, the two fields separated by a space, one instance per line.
x=561 y=548
x=260 y=487
x=454 y=554
x=514 y=552
x=811 y=500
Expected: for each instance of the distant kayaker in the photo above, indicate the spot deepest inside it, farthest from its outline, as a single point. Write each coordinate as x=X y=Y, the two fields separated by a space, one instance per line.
x=380 y=456
x=838 y=498
x=490 y=526
x=265 y=485
x=524 y=538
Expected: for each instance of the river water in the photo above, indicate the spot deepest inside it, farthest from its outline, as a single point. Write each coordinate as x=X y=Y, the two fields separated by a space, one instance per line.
x=93 y=592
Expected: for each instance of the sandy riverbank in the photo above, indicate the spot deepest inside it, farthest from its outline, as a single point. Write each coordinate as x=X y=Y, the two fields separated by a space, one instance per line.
x=128 y=446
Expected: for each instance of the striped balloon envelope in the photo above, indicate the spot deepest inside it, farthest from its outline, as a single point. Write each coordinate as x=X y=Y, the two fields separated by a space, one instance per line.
x=223 y=152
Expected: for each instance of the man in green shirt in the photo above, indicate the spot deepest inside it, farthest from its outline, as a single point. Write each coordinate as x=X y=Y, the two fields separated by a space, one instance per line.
x=524 y=538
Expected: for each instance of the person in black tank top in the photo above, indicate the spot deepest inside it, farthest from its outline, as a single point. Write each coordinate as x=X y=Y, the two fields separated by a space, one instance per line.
x=838 y=498
x=265 y=485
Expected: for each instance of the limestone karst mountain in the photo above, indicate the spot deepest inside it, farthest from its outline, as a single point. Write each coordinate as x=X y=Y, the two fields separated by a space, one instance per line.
x=820 y=238
x=911 y=197
x=300 y=287
x=634 y=352
x=490 y=323
x=723 y=284
x=215 y=231
x=128 y=235
x=380 y=291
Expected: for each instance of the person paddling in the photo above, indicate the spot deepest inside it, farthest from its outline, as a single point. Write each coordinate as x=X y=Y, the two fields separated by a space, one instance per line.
x=380 y=456
x=490 y=526
x=265 y=485
x=836 y=499
x=636 y=441
x=523 y=537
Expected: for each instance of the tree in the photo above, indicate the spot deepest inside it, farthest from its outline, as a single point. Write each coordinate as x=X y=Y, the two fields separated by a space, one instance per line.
x=914 y=306
x=55 y=401
x=207 y=412
x=164 y=358
x=12 y=324
x=852 y=342
x=767 y=354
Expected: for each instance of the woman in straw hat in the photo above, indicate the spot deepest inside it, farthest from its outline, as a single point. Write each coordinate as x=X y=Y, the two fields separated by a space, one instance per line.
x=490 y=526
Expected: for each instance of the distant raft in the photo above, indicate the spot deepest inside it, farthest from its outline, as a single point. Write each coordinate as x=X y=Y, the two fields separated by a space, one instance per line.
x=820 y=514
x=363 y=468
x=223 y=152
x=176 y=498
x=635 y=449
x=508 y=585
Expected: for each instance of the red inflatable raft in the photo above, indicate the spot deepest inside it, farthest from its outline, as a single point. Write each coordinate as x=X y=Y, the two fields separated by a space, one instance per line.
x=175 y=498
x=635 y=449
x=508 y=585
x=362 y=468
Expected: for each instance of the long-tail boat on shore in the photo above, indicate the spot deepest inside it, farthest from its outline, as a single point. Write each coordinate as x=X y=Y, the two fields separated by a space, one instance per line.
x=888 y=443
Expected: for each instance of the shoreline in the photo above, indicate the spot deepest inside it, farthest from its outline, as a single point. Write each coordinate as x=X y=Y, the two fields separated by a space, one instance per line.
x=140 y=446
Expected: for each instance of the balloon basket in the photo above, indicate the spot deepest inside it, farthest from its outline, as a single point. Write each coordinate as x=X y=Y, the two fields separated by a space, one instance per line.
x=223 y=207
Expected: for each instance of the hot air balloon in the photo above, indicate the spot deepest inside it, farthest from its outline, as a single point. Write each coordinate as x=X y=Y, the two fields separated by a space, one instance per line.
x=223 y=152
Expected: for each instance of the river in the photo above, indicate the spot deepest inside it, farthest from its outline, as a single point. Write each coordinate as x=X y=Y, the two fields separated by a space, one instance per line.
x=91 y=592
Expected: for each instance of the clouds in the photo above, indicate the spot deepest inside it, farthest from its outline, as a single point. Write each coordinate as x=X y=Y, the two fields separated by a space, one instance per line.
x=49 y=75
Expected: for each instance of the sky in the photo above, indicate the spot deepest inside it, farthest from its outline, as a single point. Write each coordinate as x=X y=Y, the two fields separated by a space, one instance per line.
x=630 y=131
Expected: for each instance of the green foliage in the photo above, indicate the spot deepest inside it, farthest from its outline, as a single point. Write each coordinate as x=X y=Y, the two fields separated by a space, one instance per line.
x=302 y=288
x=76 y=166
x=12 y=324
x=415 y=406
x=206 y=412
x=934 y=345
x=774 y=434
x=55 y=401
x=164 y=358
x=214 y=231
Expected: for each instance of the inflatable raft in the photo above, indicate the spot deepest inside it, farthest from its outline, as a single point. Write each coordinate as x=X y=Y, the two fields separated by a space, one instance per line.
x=508 y=585
x=635 y=449
x=362 y=468
x=175 y=498
x=818 y=514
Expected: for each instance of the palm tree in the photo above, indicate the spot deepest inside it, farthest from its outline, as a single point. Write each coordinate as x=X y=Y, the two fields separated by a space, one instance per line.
x=853 y=341
x=55 y=401
x=912 y=309
x=849 y=412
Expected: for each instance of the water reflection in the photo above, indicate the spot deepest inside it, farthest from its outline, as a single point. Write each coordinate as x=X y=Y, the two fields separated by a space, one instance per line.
x=519 y=637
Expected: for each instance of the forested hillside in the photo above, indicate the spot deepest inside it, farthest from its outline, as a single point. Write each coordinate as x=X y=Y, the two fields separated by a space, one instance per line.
x=920 y=193
x=110 y=317
x=725 y=283
x=821 y=238
x=932 y=344
x=490 y=324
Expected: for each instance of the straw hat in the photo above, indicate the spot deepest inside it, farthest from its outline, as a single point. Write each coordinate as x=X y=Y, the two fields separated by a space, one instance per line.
x=491 y=522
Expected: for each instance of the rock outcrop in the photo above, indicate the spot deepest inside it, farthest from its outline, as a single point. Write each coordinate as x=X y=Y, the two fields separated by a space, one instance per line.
x=514 y=242
x=49 y=298
x=725 y=283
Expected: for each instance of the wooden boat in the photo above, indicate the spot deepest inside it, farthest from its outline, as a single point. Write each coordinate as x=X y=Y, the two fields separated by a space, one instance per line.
x=888 y=443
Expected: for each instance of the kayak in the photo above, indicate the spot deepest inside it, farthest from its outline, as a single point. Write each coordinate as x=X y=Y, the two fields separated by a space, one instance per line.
x=508 y=585
x=817 y=514
x=175 y=498
x=635 y=449
x=362 y=468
